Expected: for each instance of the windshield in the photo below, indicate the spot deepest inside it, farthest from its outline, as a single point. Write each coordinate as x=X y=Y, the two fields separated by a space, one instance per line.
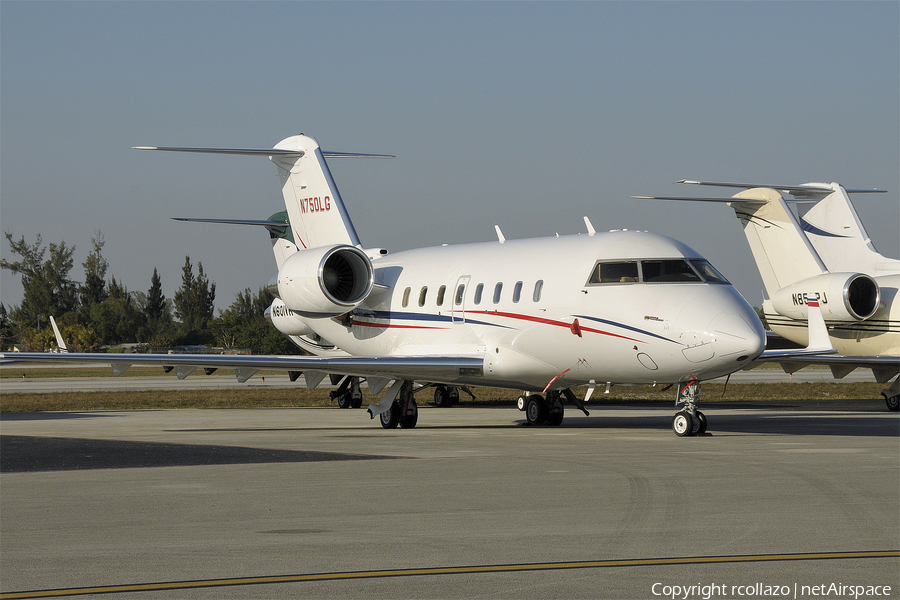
x=663 y=270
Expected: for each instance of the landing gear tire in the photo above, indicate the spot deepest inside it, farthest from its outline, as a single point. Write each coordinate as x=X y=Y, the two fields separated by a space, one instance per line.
x=356 y=399
x=701 y=420
x=682 y=423
x=442 y=396
x=536 y=410
x=344 y=401
x=892 y=402
x=409 y=420
x=555 y=414
x=453 y=394
x=391 y=417
x=520 y=402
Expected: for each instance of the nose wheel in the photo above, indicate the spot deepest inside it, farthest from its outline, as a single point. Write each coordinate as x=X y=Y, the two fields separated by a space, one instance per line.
x=689 y=420
x=684 y=423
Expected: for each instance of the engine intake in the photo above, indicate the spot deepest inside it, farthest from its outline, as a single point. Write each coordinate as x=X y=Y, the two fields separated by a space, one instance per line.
x=842 y=297
x=325 y=282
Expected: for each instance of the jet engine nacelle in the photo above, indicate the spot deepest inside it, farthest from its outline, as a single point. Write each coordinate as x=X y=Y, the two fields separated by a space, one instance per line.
x=325 y=282
x=842 y=297
x=285 y=320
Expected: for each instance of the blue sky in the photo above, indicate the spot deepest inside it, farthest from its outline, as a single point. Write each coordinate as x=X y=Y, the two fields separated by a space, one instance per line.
x=528 y=115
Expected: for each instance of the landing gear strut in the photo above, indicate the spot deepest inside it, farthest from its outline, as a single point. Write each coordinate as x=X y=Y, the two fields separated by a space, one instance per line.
x=689 y=420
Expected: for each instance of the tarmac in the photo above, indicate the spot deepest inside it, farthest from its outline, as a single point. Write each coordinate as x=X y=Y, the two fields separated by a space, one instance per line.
x=472 y=503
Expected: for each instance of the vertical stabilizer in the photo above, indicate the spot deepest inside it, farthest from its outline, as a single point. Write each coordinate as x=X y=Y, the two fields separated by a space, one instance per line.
x=839 y=237
x=314 y=205
x=782 y=252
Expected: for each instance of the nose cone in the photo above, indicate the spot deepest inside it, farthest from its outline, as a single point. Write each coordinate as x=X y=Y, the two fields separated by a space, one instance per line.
x=739 y=336
x=722 y=333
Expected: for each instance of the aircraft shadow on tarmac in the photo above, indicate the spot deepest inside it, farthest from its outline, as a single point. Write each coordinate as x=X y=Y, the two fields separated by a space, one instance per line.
x=52 y=415
x=846 y=424
x=29 y=454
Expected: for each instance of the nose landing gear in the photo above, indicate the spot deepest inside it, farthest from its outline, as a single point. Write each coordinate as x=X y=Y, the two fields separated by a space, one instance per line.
x=689 y=420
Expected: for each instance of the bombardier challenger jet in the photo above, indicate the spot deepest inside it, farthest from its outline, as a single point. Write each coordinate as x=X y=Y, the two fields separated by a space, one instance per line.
x=538 y=315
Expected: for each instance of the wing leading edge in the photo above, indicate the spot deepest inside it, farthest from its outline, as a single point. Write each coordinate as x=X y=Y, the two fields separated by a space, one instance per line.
x=443 y=369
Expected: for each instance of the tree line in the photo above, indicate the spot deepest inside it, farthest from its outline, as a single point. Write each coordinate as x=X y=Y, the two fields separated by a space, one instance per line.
x=99 y=312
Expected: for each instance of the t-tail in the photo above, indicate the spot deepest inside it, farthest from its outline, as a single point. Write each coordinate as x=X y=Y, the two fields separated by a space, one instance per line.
x=788 y=261
x=315 y=215
x=835 y=230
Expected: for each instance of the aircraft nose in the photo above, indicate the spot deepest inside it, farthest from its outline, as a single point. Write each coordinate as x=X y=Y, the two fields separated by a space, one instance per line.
x=739 y=336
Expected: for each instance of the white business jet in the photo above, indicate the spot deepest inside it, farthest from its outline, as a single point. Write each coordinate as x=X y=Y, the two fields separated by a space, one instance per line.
x=540 y=315
x=823 y=250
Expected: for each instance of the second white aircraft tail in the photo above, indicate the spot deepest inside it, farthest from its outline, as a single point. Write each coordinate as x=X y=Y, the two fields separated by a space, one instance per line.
x=833 y=226
x=783 y=254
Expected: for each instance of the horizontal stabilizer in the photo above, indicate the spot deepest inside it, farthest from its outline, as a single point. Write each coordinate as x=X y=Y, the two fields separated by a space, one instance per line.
x=804 y=190
x=260 y=152
x=699 y=199
x=271 y=225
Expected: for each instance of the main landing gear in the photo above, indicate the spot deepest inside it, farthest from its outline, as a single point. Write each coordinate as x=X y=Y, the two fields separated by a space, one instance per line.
x=446 y=396
x=403 y=411
x=348 y=394
x=550 y=410
x=689 y=420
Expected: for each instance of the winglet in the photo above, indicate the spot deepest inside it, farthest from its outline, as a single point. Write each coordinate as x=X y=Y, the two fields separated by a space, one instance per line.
x=59 y=337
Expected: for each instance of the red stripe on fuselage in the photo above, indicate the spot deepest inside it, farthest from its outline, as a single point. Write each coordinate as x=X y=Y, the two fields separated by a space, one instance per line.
x=506 y=315
x=553 y=322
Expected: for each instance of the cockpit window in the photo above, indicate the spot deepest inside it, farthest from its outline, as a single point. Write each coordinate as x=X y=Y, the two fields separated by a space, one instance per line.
x=615 y=272
x=707 y=271
x=663 y=270
x=668 y=271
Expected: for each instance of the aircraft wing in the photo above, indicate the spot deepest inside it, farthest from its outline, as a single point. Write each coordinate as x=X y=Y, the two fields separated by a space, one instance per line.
x=872 y=362
x=883 y=367
x=437 y=369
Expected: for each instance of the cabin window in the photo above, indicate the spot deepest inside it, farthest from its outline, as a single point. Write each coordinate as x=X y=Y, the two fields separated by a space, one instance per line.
x=440 y=295
x=422 y=295
x=707 y=271
x=517 y=291
x=459 y=294
x=497 y=289
x=478 y=290
x=615 y=272
x=406 y=297
x=668 y=271
x=538 y=288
